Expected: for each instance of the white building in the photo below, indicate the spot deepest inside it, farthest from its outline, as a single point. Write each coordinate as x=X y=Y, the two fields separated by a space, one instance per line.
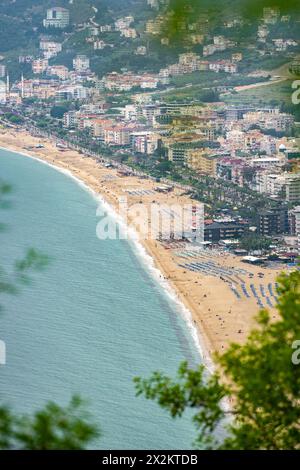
x=100 y=45
x=271 y=119
x=39 y=66
x=153 y=4
x=106 y=28
x=271 y=15
x=292 y=187
x=144 y=142
x=296 y=214
x=57 y=17
x=81 y=63
x=149 y=82
x=130 y=112
x=123 y=23
x=268 y=145
x=141 y=50
x=72 y=92
x=70 y=119
x=283 y=44
x=209 y=49
x=2 y=70
x=50 y=48
x=3 y=94
x=93 y=30
x=262 y=33
x=287 y=184
x=266 y=162
x=60 y=71
x=129 y=33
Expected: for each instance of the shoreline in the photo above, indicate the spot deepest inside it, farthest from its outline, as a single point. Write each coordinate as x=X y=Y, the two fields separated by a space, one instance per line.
x=145 y=258
x=212 y=313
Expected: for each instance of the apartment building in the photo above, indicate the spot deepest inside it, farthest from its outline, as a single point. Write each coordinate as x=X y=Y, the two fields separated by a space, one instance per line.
x=117 y=135
x=129 y=33
x=57 y=17
x=59 y=71
x=2 y=70
x=70 y=119
x=3 y=92
x=286 y=185
x=123 y=23
x=202 y=161
x=39 y=66
x=81 y=63
x=273 y=221
x=50 y=48
x=214 y=231
x=144 y=142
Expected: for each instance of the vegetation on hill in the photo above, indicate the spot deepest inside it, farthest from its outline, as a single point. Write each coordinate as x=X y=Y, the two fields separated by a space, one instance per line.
x=21 y=27
x=184 y=12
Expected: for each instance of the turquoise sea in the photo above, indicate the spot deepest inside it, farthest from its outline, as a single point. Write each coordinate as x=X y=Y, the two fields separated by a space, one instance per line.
x=89 y=323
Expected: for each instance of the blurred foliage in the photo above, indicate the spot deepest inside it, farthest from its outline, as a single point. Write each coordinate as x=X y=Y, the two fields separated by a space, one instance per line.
x=262 y=384
x=181 y=13
x=51 y=428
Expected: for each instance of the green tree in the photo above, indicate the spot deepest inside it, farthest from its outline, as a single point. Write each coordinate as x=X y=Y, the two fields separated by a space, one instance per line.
x=182 y=13
x=51 y=428
x=164 y=167
x=262 y=384
x=252 y=242
x=58 y=111
x=14 y=118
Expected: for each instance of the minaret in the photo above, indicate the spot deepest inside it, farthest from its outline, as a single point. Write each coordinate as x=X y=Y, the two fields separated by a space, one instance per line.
x=22 y=86
x=7 y=87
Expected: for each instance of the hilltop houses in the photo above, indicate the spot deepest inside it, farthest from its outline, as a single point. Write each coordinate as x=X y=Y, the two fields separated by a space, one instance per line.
x=49 y=47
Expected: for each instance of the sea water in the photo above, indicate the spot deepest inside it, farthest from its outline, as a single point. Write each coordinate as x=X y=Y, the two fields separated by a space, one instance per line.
x=93 y=320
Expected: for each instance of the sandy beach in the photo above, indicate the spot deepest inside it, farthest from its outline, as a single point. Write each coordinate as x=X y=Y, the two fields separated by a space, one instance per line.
x=220 y=315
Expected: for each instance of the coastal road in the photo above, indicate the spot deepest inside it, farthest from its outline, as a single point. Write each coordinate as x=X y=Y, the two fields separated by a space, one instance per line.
x=258 y=85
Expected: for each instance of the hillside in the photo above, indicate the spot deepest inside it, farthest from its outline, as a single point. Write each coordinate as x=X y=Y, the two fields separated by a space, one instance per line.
x=21 y=20
x=21 y=27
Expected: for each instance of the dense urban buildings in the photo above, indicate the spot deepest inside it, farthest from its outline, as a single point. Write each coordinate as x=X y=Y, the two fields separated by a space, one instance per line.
x=159 y=117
